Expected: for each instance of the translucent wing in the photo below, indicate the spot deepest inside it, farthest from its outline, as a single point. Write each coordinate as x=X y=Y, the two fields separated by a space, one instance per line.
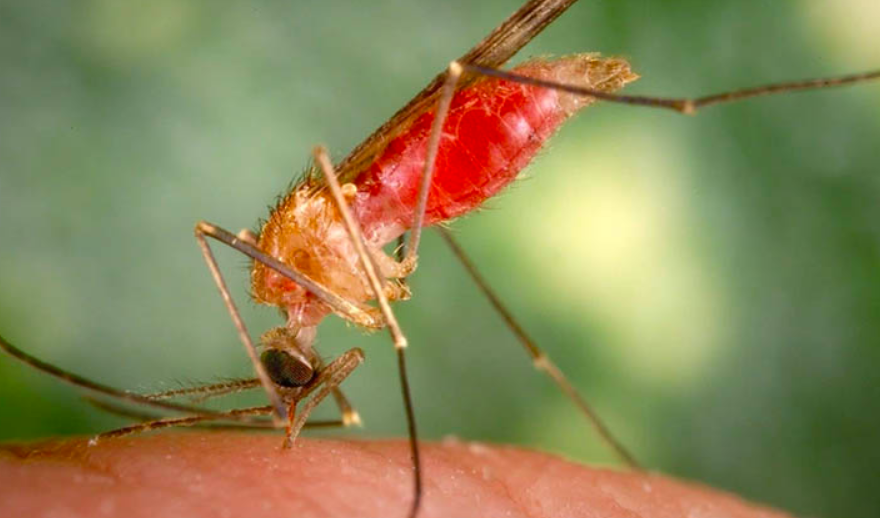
x=493 y=51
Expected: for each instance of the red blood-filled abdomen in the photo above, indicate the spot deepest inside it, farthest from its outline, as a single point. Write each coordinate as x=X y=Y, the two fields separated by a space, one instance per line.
x=493 y=130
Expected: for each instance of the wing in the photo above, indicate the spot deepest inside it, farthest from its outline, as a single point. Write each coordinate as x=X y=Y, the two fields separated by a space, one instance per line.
x=493 y=51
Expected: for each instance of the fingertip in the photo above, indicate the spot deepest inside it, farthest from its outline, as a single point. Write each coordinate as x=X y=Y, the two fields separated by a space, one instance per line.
x=229 y=474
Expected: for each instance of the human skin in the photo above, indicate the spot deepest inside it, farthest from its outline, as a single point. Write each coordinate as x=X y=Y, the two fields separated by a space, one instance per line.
x=223 y=474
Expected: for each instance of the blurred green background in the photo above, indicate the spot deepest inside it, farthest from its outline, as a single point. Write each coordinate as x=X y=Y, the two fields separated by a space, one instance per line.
x=712 y=284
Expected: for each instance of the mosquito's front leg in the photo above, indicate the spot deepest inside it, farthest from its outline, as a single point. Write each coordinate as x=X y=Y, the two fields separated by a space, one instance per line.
x=203 y=229
x=325 y=382
x=400 y=343
x=156 y=424
x=350 y=416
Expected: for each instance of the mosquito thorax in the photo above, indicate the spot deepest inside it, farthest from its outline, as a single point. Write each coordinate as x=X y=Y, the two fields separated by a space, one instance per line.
x=306 y=232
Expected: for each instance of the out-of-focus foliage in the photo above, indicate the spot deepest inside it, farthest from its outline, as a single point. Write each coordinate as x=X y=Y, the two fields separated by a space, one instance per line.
x=712 y=284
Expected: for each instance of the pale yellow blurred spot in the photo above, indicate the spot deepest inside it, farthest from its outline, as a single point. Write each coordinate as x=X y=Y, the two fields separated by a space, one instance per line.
x=612 y=231
x=848 y=29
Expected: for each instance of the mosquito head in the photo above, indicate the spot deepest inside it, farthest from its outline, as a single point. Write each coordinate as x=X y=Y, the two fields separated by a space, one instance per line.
x=285 y=359
x=286 y=369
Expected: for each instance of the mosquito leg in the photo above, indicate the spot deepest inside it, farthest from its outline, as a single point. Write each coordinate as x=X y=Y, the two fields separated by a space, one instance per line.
x=138 y=415
x=350 y=416
x=288 y=430
x=268 y=386
x=328 y=379
x=400 y=248
x=84 y=383
x=157 y=424
x=399 y=251
x=686 y=106
x=251 y=424
x=367 y=260
x=448 y=91
x=241 y=414
x=397 y=335
x=203 y=392
x=539 y=358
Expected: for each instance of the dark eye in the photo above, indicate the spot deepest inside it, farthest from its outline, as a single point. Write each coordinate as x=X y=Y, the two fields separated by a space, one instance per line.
x=285 y=369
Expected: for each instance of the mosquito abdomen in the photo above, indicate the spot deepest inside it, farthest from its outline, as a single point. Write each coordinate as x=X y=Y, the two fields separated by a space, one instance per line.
x=493 y=130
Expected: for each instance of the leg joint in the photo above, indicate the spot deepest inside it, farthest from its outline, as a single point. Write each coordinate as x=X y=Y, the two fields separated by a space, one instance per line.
x=542 y=362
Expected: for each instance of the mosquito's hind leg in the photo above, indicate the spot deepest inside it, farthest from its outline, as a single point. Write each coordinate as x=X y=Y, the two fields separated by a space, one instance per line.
x=400 y=343
x=325 y=382
x=683 y=105
x=539 y=358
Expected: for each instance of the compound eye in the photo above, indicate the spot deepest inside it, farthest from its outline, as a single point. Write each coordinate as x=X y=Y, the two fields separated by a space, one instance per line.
x=286 y=369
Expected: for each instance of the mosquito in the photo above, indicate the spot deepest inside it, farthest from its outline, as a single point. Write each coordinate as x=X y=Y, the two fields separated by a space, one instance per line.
x=459 y=142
